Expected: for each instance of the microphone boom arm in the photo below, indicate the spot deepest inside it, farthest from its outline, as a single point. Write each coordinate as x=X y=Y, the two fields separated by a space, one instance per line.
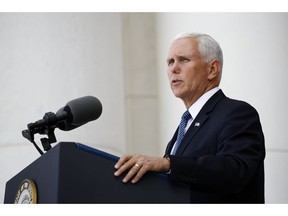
x=44 y=126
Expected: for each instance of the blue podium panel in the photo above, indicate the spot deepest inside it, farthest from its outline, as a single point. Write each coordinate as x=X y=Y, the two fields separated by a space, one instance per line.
x=76 y=173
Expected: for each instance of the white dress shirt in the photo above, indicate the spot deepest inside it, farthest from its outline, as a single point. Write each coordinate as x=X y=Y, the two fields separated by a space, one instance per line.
x=197 y=106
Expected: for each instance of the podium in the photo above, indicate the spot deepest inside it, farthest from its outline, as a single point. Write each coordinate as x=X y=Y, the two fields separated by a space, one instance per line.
x=76 y=173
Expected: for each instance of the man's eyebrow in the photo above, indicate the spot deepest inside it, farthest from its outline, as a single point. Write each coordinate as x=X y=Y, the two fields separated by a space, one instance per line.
x=181 y=56
x=169 y=59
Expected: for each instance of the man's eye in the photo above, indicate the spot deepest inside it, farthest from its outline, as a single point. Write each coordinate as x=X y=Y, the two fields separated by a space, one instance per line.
x=184 y=59
x=170 y=62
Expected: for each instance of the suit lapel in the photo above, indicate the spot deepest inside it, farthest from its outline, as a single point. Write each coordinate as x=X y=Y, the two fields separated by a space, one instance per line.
x=200 y=120
x=171 y=143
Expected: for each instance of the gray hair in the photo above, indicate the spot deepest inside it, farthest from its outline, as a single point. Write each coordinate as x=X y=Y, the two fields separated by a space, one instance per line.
x=208 y=47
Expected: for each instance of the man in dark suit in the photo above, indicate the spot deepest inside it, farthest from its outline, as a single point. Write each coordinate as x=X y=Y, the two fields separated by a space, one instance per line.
x=218 y=148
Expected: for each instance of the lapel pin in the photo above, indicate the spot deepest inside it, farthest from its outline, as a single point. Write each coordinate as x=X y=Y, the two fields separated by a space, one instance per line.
x=197 y=124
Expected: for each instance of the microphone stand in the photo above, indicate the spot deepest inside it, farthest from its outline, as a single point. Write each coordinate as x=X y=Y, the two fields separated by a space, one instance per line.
x=46 y=127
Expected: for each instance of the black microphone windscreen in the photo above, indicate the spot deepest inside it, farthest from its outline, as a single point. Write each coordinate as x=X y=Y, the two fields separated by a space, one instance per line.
x=80 y=111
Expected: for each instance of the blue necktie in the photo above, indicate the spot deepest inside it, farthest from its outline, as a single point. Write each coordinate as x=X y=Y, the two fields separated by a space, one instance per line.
x=181 y=131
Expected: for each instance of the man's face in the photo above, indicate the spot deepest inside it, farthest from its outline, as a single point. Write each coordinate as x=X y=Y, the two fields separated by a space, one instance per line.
x=187 y=71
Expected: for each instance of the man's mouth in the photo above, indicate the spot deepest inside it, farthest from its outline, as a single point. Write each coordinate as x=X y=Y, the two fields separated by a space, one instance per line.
x=176 y=81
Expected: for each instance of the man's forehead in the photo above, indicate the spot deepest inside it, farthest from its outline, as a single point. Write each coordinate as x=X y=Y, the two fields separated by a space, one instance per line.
x=183 y=46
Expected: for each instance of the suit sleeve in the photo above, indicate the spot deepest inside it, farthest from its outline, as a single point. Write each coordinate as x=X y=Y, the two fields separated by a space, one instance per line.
x=238 y=152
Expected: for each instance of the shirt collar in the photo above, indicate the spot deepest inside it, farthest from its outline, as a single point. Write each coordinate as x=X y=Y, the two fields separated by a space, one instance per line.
x=197 y=106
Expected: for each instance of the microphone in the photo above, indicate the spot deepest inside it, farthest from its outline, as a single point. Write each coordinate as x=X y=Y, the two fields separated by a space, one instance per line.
x=74 y=114
x=79 y=112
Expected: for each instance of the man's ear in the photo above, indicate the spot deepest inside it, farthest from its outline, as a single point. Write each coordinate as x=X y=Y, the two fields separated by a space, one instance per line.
x=214 y=69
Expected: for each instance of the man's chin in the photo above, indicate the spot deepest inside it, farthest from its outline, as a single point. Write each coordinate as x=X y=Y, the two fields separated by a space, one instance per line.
x=178 y=95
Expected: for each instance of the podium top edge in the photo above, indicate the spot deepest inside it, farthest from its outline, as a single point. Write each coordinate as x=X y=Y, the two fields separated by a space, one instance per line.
x=98 y=152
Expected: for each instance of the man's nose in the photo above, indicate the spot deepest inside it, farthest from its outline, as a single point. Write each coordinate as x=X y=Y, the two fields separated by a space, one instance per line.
x=175 y=68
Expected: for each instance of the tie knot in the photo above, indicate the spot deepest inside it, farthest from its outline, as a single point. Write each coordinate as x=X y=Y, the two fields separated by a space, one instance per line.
x=186 y=115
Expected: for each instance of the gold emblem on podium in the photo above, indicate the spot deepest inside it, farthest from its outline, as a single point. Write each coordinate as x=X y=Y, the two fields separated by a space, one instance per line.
x=26 y=193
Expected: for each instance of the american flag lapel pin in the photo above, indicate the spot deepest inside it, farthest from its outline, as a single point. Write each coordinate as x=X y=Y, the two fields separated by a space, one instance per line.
x=197 y=124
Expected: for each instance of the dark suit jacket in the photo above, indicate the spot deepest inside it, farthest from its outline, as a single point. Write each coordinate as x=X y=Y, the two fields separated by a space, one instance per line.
x=221 y=156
